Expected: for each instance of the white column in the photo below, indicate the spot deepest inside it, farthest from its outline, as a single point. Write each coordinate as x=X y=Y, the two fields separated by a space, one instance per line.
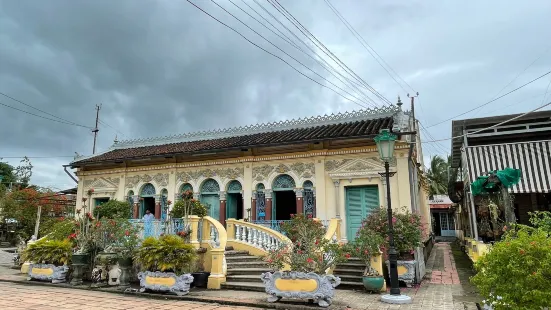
x=337 y=200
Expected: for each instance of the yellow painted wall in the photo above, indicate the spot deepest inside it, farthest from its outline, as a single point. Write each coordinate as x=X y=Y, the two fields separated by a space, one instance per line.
x=351 y=167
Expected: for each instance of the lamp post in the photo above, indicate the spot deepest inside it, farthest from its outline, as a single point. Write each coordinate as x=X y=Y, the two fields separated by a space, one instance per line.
x=385 y=145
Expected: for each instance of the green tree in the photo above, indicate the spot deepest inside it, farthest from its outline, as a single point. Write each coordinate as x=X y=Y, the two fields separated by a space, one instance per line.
x=438 y=175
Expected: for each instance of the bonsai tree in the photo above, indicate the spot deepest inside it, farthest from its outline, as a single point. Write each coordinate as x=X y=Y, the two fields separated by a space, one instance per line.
x=184 y=208
x=309 y=251
x=168 y=253
x=45 y=251
x=366 y=245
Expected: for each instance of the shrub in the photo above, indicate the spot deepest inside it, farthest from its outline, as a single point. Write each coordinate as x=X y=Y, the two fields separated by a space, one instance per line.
x=309 y=251
x=516 y=272
x=56 y=252
x=188 y=206
x=541 y=219
x=113 y=209
x=169 y=253
x=61 y=229
x=126 y=239
x=407 y=229
x=366 y=245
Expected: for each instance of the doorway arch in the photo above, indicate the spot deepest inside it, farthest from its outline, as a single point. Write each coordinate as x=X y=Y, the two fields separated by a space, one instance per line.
x=164 y=204
x=234 y=200
x=210 y=197
x=147 y=199
x=284 y=198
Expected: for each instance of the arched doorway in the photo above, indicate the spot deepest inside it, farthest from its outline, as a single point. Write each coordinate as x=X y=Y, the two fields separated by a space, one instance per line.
x=130 y=200
x=164 y=203
x=308 y=199
x=184 y=188
x=284 y=198
x=234 y=200
x=147 y=199
x=210 y=197
x=260 y=201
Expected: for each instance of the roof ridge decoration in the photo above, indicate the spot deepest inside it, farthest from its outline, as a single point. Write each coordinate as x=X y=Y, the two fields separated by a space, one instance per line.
x=326 y=119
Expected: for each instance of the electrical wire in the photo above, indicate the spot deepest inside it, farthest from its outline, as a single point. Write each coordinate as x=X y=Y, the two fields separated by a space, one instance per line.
x=274 y=55
x=50 y=119
x=30 y=106
x=299 y=62
x=493 y=126
x=495 y=99
x=113 y=128
x=324 y=49
x=322 y=62
x=369 y=48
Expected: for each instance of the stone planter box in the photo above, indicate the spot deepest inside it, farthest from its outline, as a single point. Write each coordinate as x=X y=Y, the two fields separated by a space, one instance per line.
x=167 y=282
x=299 y=285
x=406 y=271
x=48 y=272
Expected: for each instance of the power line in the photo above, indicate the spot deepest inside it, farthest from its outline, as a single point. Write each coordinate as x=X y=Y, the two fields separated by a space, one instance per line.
x=485 y=104
x=288 y=54
x=51 y=119
x=493 y=126
x=368 y=47
x=16 y=157
x=258 y=46
x=330 y=69
x=106 y=124
x=324 y=49
x=30 y=106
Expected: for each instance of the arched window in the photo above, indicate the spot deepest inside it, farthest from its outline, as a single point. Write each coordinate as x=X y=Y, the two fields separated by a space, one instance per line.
x=148 y=190
x=164 y=203
x=260 y=187
x=284 y=182
x=186 y=187
x=234 y=187
x=260 y=203
x=210 y=186
x=308 y=200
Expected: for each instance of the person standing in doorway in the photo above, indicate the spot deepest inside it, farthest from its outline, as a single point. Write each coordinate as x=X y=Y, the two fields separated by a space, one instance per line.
x=148 y=216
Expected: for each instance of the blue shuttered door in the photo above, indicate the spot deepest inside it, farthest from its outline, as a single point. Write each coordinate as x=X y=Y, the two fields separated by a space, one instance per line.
x=231 y=207
x=360 y=202
x=213 y=202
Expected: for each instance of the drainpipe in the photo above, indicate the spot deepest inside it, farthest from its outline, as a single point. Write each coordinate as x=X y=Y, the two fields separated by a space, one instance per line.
x=69 y=174
x=474 y=226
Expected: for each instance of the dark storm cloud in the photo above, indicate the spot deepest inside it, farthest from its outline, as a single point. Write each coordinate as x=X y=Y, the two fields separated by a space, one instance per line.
x=163 y=67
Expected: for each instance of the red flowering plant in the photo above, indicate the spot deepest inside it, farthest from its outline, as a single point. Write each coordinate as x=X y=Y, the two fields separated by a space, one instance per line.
x=126 y=239
x=366 y=245
x=309 y=251
x=407 y=230
x=185 y=207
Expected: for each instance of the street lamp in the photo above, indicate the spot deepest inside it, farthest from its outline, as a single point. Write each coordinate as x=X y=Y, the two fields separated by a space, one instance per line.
x=385 y=145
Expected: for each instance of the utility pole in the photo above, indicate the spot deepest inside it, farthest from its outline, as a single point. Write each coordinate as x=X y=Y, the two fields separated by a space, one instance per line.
x=95 y=130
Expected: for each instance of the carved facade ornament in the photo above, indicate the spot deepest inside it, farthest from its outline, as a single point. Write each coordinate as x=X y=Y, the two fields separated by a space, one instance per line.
x=303 y=170
x=102 y=183
x=360 y=166
x=332 y=165
x=281 y=168
x=223 y=173
x=132 y=181
x=146 y=178
x=161 y=179
x=262 y=172
x=356 y=168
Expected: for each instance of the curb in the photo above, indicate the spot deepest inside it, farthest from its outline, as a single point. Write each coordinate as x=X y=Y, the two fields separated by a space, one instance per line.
x=211 y=300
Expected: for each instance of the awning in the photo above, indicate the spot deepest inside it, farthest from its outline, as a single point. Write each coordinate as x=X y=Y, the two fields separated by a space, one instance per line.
x=532 y=158
x=440 y=206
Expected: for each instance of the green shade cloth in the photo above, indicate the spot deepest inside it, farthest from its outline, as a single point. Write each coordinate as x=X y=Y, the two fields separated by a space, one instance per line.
x=507 y=177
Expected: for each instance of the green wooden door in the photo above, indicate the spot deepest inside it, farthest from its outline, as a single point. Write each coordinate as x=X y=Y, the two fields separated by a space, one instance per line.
x=360 y=202
x=213 y=202
x=231 y=206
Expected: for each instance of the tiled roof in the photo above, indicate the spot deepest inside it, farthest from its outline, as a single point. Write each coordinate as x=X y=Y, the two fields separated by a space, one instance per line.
x=357 y=128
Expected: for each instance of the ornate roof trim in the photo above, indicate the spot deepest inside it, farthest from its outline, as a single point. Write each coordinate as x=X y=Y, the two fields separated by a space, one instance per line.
x=363 y=114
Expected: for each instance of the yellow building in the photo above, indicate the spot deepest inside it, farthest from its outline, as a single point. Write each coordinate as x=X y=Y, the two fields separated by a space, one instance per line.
x=326 y=166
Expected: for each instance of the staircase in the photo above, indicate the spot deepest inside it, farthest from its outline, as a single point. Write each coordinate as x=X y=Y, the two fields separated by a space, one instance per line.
x=351 y=273
x=243 y=271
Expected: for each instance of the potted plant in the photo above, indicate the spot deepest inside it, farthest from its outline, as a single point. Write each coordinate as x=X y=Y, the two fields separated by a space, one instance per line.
x=200 y=276
x=367 y=245
x=49 y=259
x=165 y=264
x=407 y=237
x=127 y=242
x=300 y=268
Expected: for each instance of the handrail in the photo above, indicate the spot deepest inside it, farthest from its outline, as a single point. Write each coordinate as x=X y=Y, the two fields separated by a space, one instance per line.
x=213 y=233
x=333 y=232
x=214 y=238
x=257 y=239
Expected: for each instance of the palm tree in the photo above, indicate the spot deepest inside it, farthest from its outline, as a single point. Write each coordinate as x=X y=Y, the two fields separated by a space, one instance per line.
x=438 y=175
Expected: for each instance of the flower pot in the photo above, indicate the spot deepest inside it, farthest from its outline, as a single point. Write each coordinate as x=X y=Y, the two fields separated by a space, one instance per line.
x=300 y=285
x=79 y=263
x=406 y=271
x=125 y=264
x=48 y=272
x=373 y=283
x=83 y=259
x=200 y=279
x=165 y=282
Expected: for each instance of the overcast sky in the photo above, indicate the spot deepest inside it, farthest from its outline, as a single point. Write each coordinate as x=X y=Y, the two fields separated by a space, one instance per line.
x=164 y=67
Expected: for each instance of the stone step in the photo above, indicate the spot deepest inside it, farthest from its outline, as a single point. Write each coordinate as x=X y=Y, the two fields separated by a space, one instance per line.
x=244 y=278
x=244 y=286
x=247 y=271
x=347 y=285
x=348 y=271
x=351 y=265
x=242 y=258
x=349 y=278
x=251 y=264
x=232 y=252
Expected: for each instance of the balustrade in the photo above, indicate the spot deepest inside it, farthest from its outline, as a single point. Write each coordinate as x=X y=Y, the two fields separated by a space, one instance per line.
x=255 y=238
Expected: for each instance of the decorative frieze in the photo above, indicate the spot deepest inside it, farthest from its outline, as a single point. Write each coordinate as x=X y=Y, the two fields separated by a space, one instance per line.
x=161 y=179
x=101 y=182
x=223 y=173
x=301 y=169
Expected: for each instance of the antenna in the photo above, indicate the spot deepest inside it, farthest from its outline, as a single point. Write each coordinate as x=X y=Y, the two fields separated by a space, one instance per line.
x=95 y=130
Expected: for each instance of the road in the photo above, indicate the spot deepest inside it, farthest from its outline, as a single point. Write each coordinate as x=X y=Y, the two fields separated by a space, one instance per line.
x=17 y=296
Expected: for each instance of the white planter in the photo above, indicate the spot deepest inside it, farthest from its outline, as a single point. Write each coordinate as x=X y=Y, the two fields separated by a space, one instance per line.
x=165 y=282
x=408 y=277
x=48 y=272
x=300 y=285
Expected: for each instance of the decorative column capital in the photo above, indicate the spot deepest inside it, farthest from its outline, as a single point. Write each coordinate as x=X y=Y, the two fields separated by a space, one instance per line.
x=222 y=195
x=336 y=183
x=383 y=180
x=177 y=196
x=157 y=198
x=299 y=192
x=196 y=196
x=254 y=194
x=135 y=199
x=268 y=193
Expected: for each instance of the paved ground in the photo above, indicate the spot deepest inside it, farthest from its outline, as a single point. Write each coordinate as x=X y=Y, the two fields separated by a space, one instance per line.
x=446 y=287
x=6 y=258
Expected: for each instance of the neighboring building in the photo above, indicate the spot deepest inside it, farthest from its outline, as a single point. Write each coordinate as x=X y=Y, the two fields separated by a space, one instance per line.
x=443 y=216
x=521 y=144
x=325 y=166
